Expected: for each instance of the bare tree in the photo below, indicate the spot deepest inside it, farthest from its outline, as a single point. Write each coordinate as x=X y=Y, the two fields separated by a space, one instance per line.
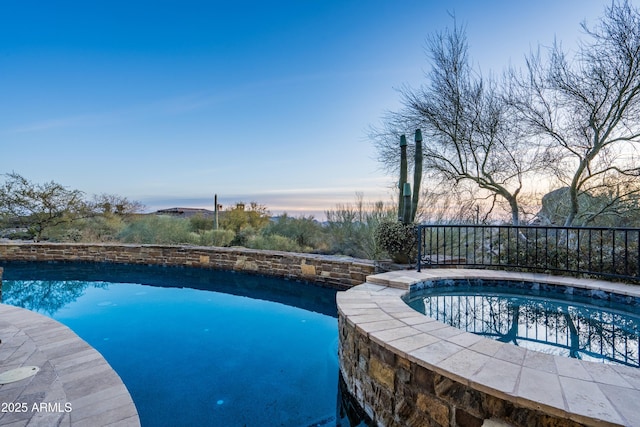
x=444 y=202
x=39 y=207
x=587 y=108
x=470 y=134
x=112 y=204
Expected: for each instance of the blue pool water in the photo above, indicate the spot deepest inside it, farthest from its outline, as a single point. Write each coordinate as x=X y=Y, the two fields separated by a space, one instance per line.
x=198 y=347
x=563 y=321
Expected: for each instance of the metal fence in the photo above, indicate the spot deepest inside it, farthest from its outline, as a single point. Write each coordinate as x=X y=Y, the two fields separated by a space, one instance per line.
x=593 y=251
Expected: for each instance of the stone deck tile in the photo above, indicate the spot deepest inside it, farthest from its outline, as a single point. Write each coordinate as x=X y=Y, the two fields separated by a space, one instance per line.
x=429 y=325
x=410 y=319
x=70 y=360
x=349 y=308
x=45 y=335
x=358 y=311
x=464 y=364
x=379 y=325
x=465 y=339
x=568 y=367
x=370 y=288
x=486 y=346
x=70 y=372
x=631 y=376
x=541 y=387
x=605 y=374
x=373 y=315
x=119 y=404
x=625 y=401
x=412 y=342
x=511 y=353
x=84 y=370
x=446 y=332
x=354 y=297
x=129 y=422
x=497 y=376
x=434 y=353
x=540 y=361
x=585 y=399
x=389 y=335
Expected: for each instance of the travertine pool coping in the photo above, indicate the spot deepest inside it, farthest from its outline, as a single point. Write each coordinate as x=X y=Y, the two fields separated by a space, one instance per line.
x=75 y=385
x=586 y=392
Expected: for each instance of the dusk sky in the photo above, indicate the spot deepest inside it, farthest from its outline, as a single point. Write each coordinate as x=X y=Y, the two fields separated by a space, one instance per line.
x=169 y=102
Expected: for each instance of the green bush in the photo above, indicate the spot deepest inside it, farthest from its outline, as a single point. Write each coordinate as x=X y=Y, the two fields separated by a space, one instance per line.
x=243 y=236
x=305 y=231
x=216 y=237
x=199 y=223
x=275 y=242
x=158 y=229
x=253 y=216
x=351 y=228
x=66 y=232
x=101 y=228
x=20 y=235
x=397 y=239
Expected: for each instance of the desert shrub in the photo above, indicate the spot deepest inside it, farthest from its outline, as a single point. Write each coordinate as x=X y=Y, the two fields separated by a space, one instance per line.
x=304 y=231
x=101 y=228
x=199 y=223
x=215 y=237
x=397 y=239
x=254 y=216
x=351 y=228
x=158 y=229
x=18 y=235
x=243 y=235
x=59 y=233
x=275 y=242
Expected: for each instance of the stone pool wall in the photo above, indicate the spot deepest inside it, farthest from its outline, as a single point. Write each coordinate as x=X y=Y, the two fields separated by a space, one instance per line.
x=398 y=392
x=332 y=271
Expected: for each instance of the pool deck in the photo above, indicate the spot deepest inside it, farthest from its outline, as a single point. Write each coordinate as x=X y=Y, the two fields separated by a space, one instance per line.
x=75 y=385
x=591 y=393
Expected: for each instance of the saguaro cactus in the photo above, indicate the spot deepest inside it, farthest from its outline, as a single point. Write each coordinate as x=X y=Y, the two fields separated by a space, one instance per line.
x=403 y=176
x=215 y=212
x=408 y=204
x=417 y=175
x=406 y=195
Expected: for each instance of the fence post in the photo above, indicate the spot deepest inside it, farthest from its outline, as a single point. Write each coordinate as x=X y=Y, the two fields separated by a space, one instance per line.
x=419 y=261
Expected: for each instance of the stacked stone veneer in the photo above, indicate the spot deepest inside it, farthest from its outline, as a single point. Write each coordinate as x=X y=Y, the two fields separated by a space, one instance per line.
x=396 y=392
x=332 y=271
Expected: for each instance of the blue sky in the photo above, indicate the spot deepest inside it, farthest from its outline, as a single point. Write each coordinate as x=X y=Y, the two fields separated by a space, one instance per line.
x=169 y=102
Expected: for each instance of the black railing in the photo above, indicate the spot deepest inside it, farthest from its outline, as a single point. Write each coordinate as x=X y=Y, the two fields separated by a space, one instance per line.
x=592 y=251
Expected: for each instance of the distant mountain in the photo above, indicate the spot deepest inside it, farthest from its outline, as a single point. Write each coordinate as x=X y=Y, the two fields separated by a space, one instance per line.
x=186 y=212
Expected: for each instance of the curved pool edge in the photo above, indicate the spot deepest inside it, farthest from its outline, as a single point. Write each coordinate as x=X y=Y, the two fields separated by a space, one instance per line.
x=75 y=385
x=402 y=366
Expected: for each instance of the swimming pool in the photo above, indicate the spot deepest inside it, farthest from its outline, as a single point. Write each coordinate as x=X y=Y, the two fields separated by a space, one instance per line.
x=198 y=347
x=581 y=324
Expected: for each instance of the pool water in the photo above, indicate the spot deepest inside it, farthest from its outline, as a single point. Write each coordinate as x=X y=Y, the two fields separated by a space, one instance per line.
x=555 y=322
x=198 y=347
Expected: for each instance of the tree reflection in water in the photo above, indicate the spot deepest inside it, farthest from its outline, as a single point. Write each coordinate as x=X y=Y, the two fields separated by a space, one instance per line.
x=575 y=328
x=44 y=296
